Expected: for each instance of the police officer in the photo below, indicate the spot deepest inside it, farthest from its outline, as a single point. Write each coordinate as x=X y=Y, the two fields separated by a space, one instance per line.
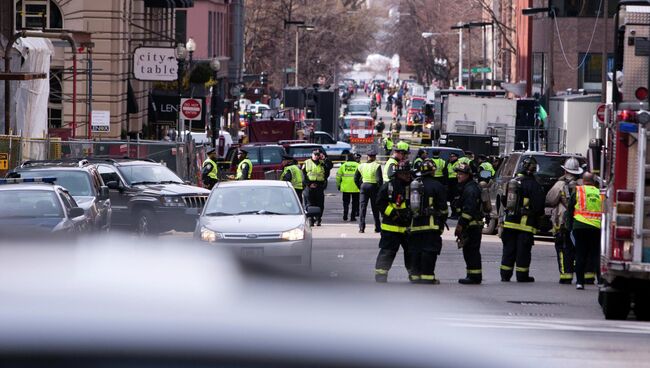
x=392 y=201
x=469 y=159
x=441 y=166
x=419 y=159
x=315 y=181
x=452 y=183
x=425 y=241
x=584 y=223
x=388 y=144
x=209 y=170
x=346 y=185
x=558 y=199
x=524 y=204
x=484 y=164
x=470 y=224
x=369 y=179
x=245 y=166
x=292 y=173
x=400 y=153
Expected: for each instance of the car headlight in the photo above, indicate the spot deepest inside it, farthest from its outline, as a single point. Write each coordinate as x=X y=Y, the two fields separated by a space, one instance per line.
x=210 y=236
x=294 y=234
x=172 y=201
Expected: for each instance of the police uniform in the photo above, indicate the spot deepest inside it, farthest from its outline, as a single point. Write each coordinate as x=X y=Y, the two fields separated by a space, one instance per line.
x=441 y=166
x=468 y=207
x=209 y=172
x=425 y=241
x=244 y=169
x=345 y=183
x=294 y=175
x=369 y=179
x=392 y=201
x=520 y=228
x=315 y=179
x=488 y=167
x=388 y=145
x=584 y=222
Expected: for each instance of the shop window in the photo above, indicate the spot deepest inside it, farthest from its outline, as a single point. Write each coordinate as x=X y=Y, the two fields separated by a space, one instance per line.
x=38 y=14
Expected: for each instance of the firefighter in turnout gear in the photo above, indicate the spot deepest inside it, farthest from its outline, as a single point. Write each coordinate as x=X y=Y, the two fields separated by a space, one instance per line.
x=558 y=199
x=419 y=159
x=470 y=224
x=245 y=166
x=400 y=152
x=440 y=174
x=209 y=170
x=346 y=185
x=369 y=179
x=393 y=202
x=584 y=223
x=524 y=204
x=315 y=182
x=429 y=208
x=292 y=173
x=452 y=182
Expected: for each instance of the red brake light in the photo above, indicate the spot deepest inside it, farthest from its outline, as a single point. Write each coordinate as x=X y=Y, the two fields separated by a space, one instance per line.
x=623 y=233
x=641 y=94
x=617 y=250
x=624 y=196
x=627 y=116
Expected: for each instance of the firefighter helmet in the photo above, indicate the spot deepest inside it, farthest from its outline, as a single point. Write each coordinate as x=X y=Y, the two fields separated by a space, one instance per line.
x=428 y=167
x=401 y=167
x=463 y=168
x=402 y=146
x=572 y=166
x=528 y=164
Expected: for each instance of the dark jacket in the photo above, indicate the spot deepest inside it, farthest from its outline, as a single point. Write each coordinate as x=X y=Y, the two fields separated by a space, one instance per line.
x=391 y=196
x=434 y=198
x=534 y=192
x=469 y=204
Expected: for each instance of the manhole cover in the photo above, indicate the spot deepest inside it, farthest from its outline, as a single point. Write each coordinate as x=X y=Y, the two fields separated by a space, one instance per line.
x=532 y=302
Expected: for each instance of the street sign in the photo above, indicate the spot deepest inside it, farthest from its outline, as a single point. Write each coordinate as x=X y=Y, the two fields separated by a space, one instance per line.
x=481 y=70
x=4 y=161
x=191 y=109
x=600 y=113
x=100 y=121
x=155 y=64
x=289 y=70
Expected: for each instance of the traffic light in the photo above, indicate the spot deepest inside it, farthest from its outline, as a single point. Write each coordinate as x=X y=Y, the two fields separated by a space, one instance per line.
x=264 y=78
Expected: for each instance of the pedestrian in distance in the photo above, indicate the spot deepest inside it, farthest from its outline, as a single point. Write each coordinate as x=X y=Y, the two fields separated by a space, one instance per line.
x=315 y=181
x=470 y=224
x=452 y=183
x=348 y=187
x=429 y=208
x=524 y=205
x=245 y=166
x=380 y=126
x=584 y=223
x=369 y=179
x=558 y=199
x=392 y=201
x=292 y=173
x=209 y=170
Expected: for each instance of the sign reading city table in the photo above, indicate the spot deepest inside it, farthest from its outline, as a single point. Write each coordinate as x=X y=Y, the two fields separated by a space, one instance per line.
x=155 y=64
x=4 y=161
x=191 y=109
x=101 y=121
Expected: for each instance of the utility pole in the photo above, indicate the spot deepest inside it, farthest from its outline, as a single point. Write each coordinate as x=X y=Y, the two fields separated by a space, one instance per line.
x=469 y=57
x=603 y=97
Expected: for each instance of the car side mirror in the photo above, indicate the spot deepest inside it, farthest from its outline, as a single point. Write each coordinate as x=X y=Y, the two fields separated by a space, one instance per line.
x=76 y=212
x=113 y=185
x=103 y=193
x=312 y=211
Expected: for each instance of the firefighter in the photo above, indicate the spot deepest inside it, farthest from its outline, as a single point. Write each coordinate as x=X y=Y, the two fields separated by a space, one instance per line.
x=388 y=144
x=558 y=199
x=452 y=183
x=209 y=170
x=369 y=179
x=419 y=159
x=392 y=201
x=524 y=204
x=346 y=185
x=315 y=182
x=292 y=173
x=400 y=152
x=429 y=207
x=470 y=224
x=485 y=165
x=441 y=166
x=245 y=166
x=584 y=223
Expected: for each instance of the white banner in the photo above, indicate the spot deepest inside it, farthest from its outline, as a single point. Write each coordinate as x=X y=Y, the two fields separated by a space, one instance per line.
x=101 y=121
x=155 y=64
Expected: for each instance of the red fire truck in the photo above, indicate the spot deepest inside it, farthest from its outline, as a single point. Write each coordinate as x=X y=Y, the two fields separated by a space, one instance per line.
x=625 y=244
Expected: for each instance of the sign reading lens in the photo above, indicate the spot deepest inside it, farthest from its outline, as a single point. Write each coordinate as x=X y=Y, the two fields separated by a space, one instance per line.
x=155 y=64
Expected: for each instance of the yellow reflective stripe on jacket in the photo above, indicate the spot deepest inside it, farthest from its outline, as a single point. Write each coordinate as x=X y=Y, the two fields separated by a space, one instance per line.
x=474 y=272
x=522 y=225
x=588 y=206
x=440 y=166
x=393 y=228
x=214 y=172
x=389 y=162
x=431 y=226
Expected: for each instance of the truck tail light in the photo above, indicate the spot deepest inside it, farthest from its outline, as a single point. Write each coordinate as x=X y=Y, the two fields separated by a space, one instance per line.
x=623 y=233
x=623 y=229
x=627 y=116
x=641 y=94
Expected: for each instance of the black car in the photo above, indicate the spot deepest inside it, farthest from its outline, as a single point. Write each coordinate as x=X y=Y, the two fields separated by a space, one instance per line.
x=548 y=171
x=444 y=152
x=81 y=179
x=149 y=197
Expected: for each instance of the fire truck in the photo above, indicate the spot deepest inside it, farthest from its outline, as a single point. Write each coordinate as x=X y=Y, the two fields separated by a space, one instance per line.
x=625 y=168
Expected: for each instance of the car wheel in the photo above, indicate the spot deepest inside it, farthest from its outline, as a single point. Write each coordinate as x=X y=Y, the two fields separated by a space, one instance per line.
x=642 y=306
x=616 y=305
x=145 y=224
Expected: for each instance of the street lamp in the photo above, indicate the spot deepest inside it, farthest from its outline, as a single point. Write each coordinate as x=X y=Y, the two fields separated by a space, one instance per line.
x=460 y=26
x=306 y=28
x=191 y=47
x=180 y=57
x=215 y=65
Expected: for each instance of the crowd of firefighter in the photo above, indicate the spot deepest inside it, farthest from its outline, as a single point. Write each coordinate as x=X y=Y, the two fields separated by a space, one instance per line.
x=415 y=198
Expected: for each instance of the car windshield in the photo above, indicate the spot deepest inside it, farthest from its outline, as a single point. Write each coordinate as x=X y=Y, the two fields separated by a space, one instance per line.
x=30 y=203
x=551 y=166
x=359 y=108
x=149 y=174
x=253 y=200
x=417 y=104
x=76 y=182
x=300 y=152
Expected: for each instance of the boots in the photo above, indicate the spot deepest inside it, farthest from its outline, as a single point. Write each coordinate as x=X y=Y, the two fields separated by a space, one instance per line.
x=525 y=278
x=469 y=281
x=381 y=278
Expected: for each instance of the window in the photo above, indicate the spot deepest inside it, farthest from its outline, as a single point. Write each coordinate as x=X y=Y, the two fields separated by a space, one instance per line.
x=38 y=14
x=108 y=174
x=54 y=104
x=271 y=156
x=539 y=70
x=210 y=34
x=589 y=74
x=510 y=166
x=582 y=8
x=181 y=26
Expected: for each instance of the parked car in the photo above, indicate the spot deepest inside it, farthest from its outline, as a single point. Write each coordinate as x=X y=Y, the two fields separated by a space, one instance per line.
x=336 y=150
x=149 y=197
x=281 y=232
x=265 y=157
x=37 y=207
x=548 y=171
x=302 y=151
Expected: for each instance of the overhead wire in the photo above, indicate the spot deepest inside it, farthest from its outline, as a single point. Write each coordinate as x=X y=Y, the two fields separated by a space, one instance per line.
x=593 y=32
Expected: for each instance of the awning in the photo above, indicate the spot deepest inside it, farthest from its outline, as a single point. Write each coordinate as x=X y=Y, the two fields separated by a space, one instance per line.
x=184 y=3
x=169 y=3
